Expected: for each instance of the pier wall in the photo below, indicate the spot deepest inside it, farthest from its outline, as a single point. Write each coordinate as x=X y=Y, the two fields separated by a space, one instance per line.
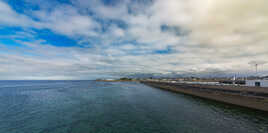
x=254 y=98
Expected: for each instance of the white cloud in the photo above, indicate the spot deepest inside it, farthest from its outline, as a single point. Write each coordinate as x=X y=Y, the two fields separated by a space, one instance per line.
x=11 y=18
x=234 y=32
x=62 y=19
x=117 y=11
x=116 y=31
x=67 y=21
x=222 y=35
x=128 y=47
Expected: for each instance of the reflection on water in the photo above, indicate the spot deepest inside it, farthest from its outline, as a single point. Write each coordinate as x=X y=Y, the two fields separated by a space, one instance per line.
x=100 y=107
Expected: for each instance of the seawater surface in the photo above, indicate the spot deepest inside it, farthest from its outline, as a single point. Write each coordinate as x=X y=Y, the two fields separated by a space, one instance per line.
x=116 y=107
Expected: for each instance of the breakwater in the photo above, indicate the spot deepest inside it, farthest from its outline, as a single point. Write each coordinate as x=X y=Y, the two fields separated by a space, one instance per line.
x=250 y=97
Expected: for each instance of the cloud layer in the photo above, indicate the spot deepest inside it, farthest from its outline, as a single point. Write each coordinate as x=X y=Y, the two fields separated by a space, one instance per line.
x=124 y=37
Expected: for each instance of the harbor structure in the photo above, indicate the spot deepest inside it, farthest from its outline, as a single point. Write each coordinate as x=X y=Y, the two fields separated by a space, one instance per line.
x=257 y=83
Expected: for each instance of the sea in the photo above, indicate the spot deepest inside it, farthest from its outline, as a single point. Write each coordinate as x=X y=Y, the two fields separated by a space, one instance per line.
x=116 y=107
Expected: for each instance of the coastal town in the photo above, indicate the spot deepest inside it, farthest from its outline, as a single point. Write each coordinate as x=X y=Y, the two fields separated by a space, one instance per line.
x=251 y=81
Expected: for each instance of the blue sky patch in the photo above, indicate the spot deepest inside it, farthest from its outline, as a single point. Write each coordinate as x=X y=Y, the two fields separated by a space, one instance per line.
x=168 y=50
x=9 y=30
x=55 y=39
x=21 y=6
x=9 y=42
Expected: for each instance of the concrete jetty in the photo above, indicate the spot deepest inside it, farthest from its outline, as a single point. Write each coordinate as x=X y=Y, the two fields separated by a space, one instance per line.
x=250 y=97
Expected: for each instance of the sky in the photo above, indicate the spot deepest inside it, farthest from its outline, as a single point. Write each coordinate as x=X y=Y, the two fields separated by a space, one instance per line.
x=89 y=39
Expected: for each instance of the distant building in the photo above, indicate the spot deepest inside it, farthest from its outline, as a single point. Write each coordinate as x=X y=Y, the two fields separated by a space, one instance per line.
x=257 y=83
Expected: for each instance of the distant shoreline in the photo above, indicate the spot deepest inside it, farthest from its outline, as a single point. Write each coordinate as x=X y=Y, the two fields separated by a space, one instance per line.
x=249 y=97
x=116 y=80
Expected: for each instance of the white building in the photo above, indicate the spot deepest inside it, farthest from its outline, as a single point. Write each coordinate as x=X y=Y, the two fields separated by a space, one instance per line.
x=258 y=83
